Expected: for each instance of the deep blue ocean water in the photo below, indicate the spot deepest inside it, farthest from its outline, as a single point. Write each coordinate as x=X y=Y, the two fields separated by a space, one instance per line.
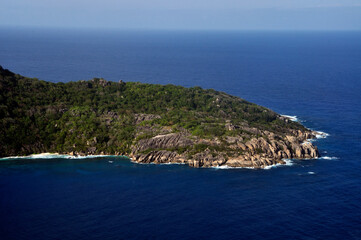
x=313 y=75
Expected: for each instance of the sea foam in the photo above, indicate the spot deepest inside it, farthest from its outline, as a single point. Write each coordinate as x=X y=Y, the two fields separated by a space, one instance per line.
x=320 y=135
x=288 y=162
x=328 y=158
x=228 y=167
x=292 y=118
x=56 y=155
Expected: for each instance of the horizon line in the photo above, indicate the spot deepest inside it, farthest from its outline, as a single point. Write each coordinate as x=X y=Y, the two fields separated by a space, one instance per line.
x=176 y=29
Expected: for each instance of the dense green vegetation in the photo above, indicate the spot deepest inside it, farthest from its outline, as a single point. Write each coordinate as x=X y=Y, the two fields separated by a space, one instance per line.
x=98 y=116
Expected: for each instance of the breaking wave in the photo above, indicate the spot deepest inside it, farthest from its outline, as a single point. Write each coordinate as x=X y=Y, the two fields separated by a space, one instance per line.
x=56 y=155
x=320 y=135
x=288 y=162
x=328 y=158
x=292 y=118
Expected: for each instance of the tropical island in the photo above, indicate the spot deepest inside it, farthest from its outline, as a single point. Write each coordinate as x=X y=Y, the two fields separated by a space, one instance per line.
x=149 y=123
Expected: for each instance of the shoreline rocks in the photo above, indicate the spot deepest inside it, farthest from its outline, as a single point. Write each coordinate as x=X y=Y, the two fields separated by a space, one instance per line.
x=258 y=152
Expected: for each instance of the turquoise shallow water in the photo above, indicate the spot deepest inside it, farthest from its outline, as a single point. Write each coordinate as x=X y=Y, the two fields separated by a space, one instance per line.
x=315 y=76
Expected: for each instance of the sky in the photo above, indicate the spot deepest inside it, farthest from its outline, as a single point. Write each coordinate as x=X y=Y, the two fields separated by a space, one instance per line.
x=184 y=14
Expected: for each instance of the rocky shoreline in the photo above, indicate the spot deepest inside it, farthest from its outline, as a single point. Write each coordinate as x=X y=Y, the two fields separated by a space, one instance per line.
x=150 y=123
x=255 y=153
x=273 y=153
x=260 y=152
x=268 y=149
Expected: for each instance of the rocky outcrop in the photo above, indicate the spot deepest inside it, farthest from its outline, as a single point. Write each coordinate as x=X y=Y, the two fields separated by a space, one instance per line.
x=257 y=152
x=167 y=141
x=207 y=159
x=140 y=117
x=263 y=149
x=158 y=157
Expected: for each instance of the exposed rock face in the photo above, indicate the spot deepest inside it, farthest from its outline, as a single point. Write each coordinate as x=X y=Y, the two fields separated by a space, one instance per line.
x=206 y=159
x=168 y=141
x=258 y=152
x=101 y=81
x=161 y=156
x=140 y=117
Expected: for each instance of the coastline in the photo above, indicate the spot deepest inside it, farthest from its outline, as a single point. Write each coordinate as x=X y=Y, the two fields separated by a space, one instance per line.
x=48 y=155
x=214 y=129
x=288 y=162
x=284 y=161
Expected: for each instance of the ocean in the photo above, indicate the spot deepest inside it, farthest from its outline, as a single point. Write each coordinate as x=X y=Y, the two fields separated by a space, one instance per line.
x=315 y=76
